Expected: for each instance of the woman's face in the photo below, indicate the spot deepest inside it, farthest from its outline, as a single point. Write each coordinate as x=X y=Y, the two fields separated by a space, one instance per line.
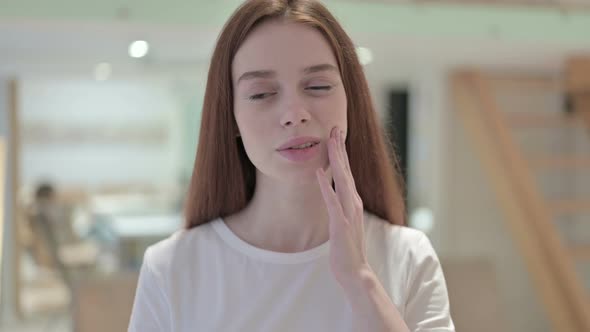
x=287 y=85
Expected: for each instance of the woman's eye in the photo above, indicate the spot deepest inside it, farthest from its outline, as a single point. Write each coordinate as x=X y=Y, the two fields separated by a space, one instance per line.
x=259 y=96
x=322 y=87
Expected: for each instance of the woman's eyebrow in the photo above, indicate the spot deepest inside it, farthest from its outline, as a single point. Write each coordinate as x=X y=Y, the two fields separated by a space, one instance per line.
x=257 y=74
x=318 y=68
x=271 y=73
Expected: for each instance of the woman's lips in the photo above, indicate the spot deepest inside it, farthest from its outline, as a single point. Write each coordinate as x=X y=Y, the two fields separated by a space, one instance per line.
x=296 y=141
x=301 y=155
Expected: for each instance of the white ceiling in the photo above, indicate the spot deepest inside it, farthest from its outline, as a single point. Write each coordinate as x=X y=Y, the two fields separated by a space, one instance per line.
x=51 y=40
x=568 y=4
x=56 y=46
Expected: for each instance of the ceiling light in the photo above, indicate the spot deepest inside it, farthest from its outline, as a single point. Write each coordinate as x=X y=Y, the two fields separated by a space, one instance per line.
x=138 y=49
x=365 y=55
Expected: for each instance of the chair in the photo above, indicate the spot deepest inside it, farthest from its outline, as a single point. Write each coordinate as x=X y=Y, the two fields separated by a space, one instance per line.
x=104 y=304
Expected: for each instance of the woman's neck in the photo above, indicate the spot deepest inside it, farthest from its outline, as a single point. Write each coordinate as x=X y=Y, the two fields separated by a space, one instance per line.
x=283 y=217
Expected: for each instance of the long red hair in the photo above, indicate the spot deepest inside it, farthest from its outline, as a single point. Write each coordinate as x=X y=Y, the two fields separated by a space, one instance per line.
x=223 y=178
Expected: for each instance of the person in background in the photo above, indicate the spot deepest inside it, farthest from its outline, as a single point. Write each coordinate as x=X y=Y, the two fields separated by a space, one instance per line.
x=49 y=228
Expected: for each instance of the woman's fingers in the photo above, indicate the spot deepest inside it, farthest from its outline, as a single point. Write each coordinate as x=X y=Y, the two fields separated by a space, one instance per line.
x=347 y=162
x=344 y=153
x=332 y=202
x=341 y=178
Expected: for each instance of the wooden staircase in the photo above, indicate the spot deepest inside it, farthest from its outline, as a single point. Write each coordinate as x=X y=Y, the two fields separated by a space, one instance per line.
x=534 y=218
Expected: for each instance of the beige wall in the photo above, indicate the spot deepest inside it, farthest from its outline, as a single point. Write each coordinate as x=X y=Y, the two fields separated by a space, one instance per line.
x=477 y=228
x=474 y=220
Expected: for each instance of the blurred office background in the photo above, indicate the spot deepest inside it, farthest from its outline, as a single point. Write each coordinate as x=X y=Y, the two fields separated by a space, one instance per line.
x=487 y=101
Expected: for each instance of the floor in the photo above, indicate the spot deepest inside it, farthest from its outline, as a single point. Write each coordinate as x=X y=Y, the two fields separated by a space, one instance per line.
x=60 y=323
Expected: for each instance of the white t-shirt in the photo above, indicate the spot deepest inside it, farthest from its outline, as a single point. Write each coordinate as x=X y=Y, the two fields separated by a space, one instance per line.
x=208 y=279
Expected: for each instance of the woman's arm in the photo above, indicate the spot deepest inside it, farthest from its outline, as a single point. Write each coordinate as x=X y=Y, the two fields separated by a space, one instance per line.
x=151 y=308
x=427 y=307
x=372 y=308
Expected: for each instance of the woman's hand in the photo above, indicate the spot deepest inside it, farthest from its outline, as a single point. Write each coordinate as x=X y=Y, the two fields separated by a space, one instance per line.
x=373 y=310
x=348 y=258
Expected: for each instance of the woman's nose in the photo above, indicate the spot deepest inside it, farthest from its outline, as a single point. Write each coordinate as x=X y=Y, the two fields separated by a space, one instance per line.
x=294 y=114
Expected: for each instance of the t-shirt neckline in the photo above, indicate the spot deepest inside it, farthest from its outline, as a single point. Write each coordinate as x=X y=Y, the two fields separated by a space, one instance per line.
x=230 y=238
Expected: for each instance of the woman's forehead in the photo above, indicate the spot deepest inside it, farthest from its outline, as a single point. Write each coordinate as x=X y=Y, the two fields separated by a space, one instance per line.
x=282 y=47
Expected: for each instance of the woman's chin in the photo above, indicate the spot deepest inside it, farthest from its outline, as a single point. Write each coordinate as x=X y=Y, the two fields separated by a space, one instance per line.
x=301 y=176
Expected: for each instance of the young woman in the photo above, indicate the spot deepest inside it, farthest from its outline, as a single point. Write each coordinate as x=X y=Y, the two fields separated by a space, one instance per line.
x=270 y=244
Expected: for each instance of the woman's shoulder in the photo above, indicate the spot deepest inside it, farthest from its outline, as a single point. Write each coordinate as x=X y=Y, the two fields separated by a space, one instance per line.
x=400 y=246
x=182 y=244
x=397 y=243
x=376 y=227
